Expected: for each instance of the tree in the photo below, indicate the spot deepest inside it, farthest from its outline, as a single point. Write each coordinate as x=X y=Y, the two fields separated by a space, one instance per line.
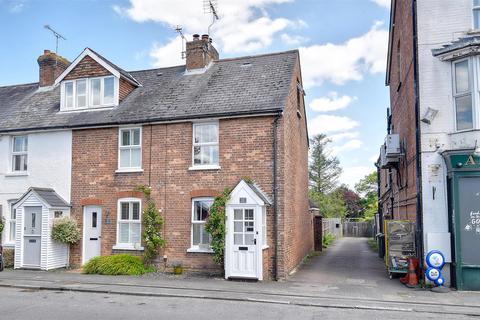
x=352 y=200
x=331 y=205
x=324 y=169
x=368 y=189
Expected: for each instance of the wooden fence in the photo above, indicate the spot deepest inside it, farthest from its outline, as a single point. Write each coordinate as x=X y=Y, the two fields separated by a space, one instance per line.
x=358 y=229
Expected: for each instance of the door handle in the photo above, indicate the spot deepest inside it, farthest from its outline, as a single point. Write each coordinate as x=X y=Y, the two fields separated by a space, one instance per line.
x=254 y=241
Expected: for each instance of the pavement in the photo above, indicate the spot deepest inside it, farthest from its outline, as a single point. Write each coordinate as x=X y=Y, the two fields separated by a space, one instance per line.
x=347 y=277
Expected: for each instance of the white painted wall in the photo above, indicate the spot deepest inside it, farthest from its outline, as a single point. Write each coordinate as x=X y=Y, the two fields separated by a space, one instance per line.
x=439 y=22
x=49 y=166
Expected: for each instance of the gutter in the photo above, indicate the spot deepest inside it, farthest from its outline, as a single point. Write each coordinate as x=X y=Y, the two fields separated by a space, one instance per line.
x=275 y=197
x=418 y=159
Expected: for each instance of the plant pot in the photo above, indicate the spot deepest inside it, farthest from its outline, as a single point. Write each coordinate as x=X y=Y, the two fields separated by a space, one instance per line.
x=177 y=270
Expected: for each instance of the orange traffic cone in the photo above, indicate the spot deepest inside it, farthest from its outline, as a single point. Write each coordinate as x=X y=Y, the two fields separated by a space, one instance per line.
x=411 y=279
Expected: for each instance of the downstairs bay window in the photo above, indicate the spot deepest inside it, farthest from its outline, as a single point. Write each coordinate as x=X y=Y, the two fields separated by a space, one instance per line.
x=129 y=224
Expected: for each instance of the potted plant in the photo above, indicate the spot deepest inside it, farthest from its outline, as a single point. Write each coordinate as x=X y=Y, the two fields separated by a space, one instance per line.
x=177 y=267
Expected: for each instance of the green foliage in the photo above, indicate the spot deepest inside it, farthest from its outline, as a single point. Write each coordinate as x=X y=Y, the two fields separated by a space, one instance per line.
x=215 y=225
x=121 y=264
x=152 y=224
x=331 y=205
x=372 y=242
x=324 y=169
x=328 y=240
x=2 y=224
x=65 y=230
x=367 y=187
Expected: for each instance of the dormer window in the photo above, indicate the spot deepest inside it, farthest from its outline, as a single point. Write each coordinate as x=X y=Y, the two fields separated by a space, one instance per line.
x=89 y=93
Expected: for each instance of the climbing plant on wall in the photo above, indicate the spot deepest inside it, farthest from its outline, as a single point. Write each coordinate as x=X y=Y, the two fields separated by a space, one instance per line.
x=215 y=225
x=152 y=224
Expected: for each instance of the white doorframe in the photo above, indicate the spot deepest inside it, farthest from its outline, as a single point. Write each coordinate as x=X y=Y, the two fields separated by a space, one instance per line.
x=99 y=224
x=229 y=241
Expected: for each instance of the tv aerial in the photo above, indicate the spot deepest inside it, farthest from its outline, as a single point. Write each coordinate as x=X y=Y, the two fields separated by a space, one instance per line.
x=57 y=35
x=210 y=7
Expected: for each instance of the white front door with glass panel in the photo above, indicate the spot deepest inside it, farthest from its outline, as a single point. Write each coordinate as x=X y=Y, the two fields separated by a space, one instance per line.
x=92 y=232
x=243 y=242
x=32 y=235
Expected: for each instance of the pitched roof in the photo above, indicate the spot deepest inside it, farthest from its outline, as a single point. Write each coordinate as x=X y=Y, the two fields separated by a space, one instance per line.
x=259 y=192
x=49 y=196
x=241 y=86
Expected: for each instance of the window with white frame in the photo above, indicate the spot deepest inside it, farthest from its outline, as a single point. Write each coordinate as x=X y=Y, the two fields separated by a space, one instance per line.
x=12 y=221
x=200 y=211
x=476 y=14
x=130 y=148
x=462 y=92
x=19 y=153
x=205 y=144
x=89 y=92
x=129 y=223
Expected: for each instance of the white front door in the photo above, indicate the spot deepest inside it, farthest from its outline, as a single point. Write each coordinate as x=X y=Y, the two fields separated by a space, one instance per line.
x=92 y=232
x=32 y=236
x=243 y=243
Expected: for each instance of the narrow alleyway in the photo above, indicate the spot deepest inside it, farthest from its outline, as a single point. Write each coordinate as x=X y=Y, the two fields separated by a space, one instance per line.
x=349 y=267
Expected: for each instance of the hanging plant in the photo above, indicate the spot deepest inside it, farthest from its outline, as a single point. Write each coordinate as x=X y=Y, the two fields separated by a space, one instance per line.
x=152 y=233
x=65 y=230
x=215 y=225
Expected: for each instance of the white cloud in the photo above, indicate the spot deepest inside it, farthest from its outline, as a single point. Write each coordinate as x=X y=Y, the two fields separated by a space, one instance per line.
x=337 y=137
x=351 y=175
x=331 y=102
x=373 y=158
x=346 y=147
x=244 y=26
x=383 y=3
x=292 y=40
x=328 y=124
x=14 y=6
x=348 y=61
x=167 y=55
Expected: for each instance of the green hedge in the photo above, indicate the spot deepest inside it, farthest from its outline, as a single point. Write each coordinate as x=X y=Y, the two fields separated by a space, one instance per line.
x=121 y=264
x=328 y=239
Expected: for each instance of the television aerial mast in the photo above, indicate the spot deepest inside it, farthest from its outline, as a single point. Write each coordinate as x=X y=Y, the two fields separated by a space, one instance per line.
x=210 y=7
x=57 y=35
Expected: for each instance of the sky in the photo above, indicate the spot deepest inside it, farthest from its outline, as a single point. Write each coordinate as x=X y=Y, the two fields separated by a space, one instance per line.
x=342 y=44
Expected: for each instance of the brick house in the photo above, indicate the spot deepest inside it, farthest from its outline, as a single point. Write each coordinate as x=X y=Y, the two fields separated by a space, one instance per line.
x=434 y=179
x=187 y=132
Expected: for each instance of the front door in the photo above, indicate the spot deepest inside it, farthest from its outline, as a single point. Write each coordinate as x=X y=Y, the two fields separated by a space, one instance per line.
x=467 y=232
x=92 y=232
x=32 y=236
x=243 y=243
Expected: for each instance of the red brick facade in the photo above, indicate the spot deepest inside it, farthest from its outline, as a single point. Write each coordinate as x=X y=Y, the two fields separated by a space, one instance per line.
x=398 y=191
x=245 y=149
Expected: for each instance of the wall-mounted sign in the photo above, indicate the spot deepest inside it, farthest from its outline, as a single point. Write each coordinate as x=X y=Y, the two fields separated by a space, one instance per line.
x=435 y=259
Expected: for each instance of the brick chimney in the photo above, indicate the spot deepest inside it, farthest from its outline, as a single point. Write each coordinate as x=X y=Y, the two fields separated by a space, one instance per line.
x=200 y=52
x=51 y=66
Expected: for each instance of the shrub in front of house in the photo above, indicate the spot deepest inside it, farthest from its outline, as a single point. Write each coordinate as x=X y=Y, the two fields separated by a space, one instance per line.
x=120 y=264
x=65 y=230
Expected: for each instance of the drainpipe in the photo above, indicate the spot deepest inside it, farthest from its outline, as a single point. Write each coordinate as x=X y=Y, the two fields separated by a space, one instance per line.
x=418 y=159
x=275 y=198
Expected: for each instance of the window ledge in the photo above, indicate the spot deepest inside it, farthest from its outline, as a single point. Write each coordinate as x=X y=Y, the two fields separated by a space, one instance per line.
x=265 y=247
x=198 y=250
x=212 y=167
x=16 y=174
x=139 y=170
x=127 y=247
x=10 y=245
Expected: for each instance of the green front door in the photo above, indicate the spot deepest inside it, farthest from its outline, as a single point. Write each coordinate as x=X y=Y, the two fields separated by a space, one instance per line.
x=466 y=221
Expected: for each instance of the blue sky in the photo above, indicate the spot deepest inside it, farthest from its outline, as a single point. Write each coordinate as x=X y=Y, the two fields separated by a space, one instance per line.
x=343 y=45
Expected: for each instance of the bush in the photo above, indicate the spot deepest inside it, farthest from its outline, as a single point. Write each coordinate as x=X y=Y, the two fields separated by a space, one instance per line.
x=2 y=224
x=328 y=239
x=8 y=257
x=65 y=230
x=121 y=264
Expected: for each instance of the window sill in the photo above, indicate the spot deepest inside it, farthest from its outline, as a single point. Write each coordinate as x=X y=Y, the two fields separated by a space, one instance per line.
x=127 y=247
x=265 y=247
x=16 y=174
x=10 y=245
x=198 y=250
x=139 y=170
x=212 y=167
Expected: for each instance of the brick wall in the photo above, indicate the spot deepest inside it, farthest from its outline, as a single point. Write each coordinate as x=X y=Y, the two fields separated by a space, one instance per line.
x=402 y=103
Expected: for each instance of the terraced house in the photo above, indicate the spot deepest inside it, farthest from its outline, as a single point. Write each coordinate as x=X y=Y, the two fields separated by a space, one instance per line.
x=80 y=141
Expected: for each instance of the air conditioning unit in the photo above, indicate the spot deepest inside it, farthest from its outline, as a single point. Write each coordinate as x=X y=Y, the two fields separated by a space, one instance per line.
x=392 y=146
x=383 y=157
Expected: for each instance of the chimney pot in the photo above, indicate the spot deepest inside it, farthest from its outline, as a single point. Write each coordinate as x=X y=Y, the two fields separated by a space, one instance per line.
x=196 y=37
x=204 y=36
x=46 y=51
